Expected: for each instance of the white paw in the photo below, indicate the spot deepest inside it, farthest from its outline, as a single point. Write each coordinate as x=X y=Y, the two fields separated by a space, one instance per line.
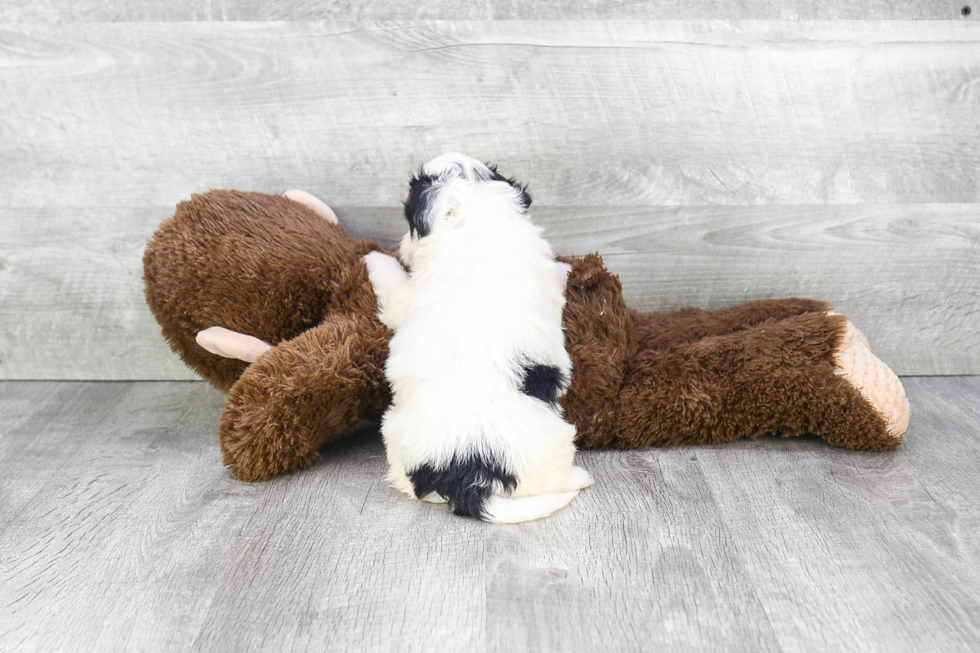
x=383 y=270
x=578 y=479
x=390 y=283
x=564 y=269
x=385 y=274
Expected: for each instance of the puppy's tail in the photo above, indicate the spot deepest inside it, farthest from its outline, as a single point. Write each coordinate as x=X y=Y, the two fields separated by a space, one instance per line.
x=502 y=510
x=471 y=485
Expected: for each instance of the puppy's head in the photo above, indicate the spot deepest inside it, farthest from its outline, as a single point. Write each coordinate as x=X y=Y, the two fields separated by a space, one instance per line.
x=439 y=188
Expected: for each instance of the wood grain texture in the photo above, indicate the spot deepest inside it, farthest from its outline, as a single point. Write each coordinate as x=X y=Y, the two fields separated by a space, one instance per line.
x=712 y=162
x=603 y=113
x=116 y=516
x=302 y=10
x=71 y=296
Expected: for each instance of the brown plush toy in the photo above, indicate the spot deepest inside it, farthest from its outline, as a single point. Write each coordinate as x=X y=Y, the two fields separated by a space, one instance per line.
x=268 y=299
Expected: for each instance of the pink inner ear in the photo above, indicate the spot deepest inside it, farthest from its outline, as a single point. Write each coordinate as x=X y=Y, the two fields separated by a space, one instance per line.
x=315 y=204
x=231 y=344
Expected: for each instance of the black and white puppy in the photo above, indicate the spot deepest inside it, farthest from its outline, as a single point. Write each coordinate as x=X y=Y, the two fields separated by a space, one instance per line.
x=478 y=362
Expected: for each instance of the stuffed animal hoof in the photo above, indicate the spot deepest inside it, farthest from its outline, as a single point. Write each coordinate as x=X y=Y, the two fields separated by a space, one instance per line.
x=857 y=332
x=879 y=386
x=313 y=203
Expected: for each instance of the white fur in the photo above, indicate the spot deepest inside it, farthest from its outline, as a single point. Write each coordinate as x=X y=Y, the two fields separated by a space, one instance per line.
x=501 y=510
x=484 y=294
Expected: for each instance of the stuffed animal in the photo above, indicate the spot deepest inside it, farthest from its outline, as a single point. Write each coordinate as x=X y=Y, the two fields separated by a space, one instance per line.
x=268 y=298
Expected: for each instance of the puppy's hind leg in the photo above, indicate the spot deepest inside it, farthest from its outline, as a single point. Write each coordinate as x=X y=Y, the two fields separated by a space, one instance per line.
x=502 y=510
x=578 y=479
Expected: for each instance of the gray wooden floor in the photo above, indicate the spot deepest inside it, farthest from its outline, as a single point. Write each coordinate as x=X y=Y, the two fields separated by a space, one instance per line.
x=120 y=530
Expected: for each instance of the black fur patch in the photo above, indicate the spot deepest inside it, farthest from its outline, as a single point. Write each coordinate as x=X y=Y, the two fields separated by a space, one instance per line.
x=467 y=483
x=422 y=186
x=418 y=203
x=522 y=188
x=544 y=382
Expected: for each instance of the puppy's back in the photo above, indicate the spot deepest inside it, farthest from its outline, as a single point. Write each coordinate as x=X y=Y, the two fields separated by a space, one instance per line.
x=478 y=362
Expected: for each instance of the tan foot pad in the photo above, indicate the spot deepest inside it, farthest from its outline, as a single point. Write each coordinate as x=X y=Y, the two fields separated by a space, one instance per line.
x=875 y=380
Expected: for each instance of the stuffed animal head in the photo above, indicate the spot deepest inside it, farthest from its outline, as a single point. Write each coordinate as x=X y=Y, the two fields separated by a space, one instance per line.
x=446 y=183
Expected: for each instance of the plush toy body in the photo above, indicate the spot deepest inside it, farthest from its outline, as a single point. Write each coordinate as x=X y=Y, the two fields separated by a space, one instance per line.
x=276 y=281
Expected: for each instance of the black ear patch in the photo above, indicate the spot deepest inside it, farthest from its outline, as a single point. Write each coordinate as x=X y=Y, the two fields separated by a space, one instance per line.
x=521 y=188
x=467 y=483
x=544 y=382
x=419 y=201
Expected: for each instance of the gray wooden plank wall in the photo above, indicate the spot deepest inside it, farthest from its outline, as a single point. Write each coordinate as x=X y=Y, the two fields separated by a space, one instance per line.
x=121 y=531
x=298 y=10
x=710 y=161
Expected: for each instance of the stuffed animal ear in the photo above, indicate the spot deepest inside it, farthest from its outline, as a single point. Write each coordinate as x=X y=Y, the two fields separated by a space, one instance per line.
x=231 y=344
x=313 y=203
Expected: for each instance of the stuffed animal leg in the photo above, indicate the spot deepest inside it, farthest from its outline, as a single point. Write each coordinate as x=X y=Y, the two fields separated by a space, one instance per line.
x=301 y=394
x=697 y=377
x=789 y=377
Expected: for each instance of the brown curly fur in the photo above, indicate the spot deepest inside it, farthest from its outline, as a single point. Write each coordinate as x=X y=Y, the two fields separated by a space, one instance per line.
x=222 y=260
x=269 y=267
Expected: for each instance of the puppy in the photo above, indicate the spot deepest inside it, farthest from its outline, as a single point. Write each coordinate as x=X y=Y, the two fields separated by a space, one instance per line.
x=477 y=363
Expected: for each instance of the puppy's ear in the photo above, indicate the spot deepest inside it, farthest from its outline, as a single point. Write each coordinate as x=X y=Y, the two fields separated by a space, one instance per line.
x=419 y=203
x=519 y=187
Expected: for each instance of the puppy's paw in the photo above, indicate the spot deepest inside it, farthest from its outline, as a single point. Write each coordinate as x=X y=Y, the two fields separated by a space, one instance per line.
x=384 y=271
x=578 y=479
x=563 y=270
